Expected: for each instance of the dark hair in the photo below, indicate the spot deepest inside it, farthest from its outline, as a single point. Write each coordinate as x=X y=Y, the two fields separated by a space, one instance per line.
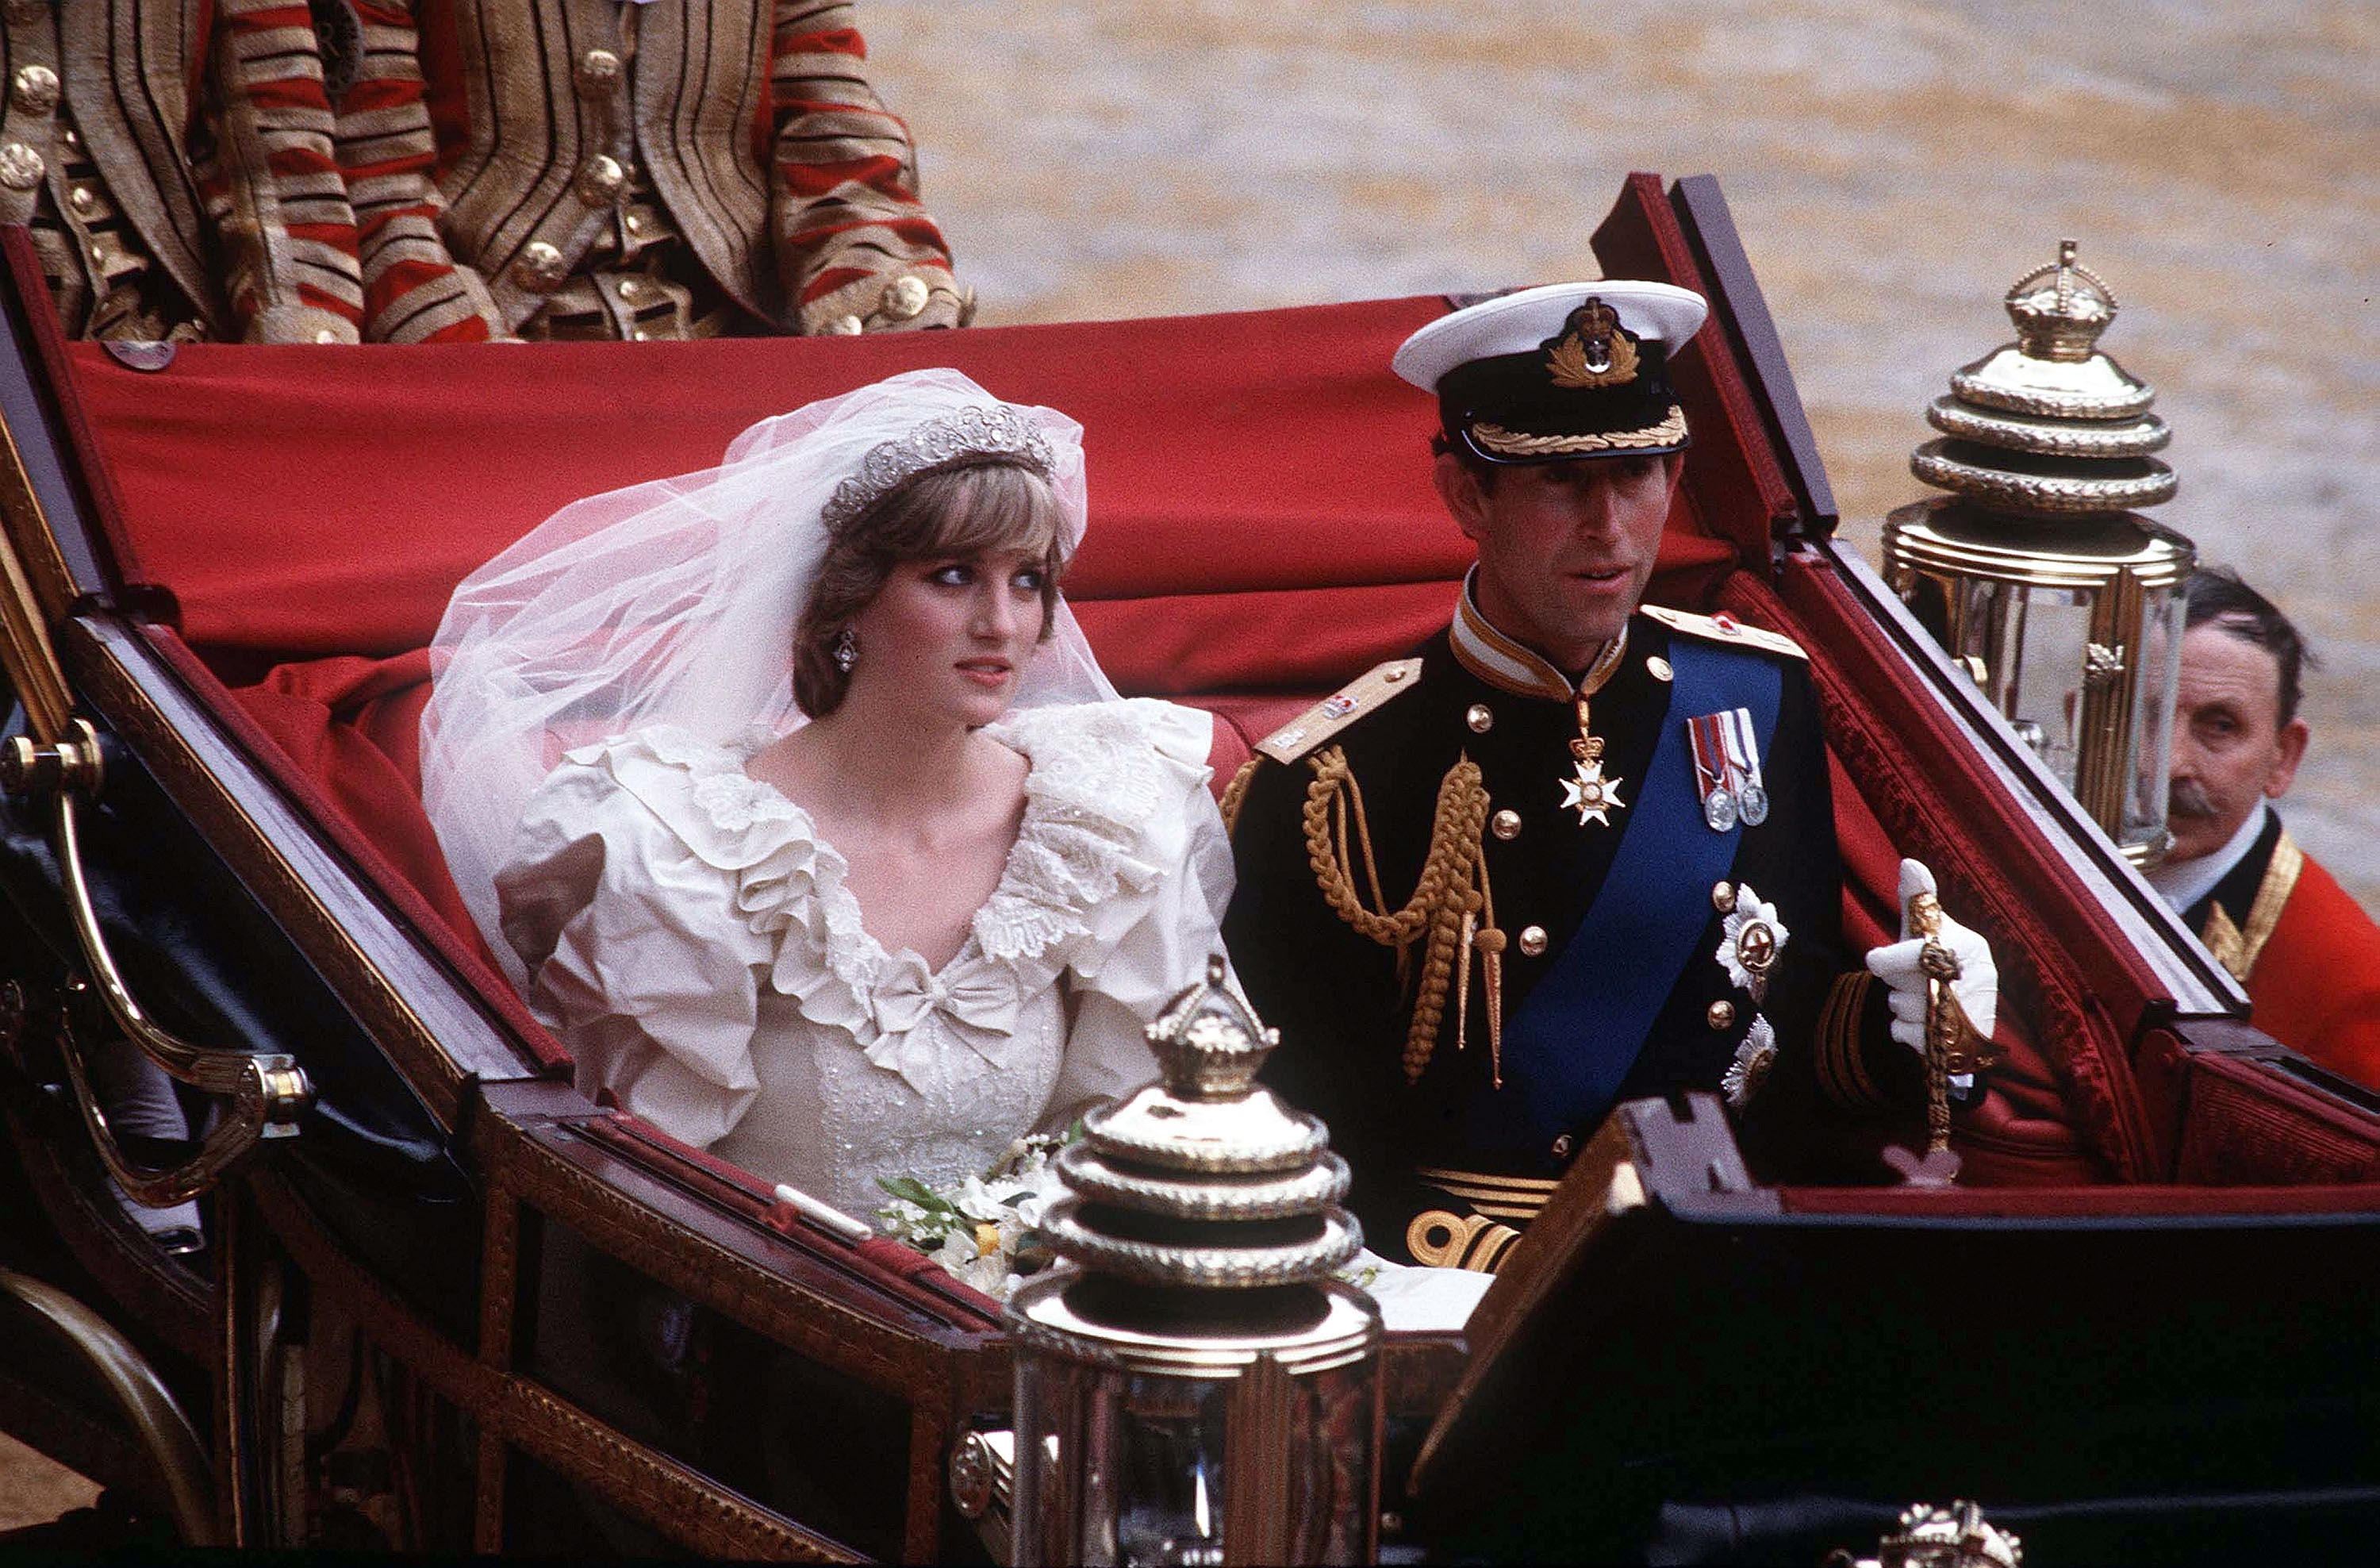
x=1478 y=467
x=2219 y=597
x=983 y=504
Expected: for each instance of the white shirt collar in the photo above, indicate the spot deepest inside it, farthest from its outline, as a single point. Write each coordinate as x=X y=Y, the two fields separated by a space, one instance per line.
x=2183 y=883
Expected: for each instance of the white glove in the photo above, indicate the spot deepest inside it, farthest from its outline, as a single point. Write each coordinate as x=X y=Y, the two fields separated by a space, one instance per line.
x=1977 y=987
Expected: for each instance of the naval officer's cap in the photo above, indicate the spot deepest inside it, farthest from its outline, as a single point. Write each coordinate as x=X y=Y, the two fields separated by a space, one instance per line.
x=1566 y=372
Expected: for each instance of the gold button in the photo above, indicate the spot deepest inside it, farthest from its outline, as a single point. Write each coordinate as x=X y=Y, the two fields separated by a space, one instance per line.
x=630 y=288
x=35 y=89
x=904 y=299
x=1722 y=1014
x=540 y=266
x=1533 y=939
x=82 y=200
x=601 y=181
x=1393 y=676
x=21 y=167
x=1563 y=1147
x=1479 y=717
x=98 y=253
x=1723 y=898
x=1659 y=668
x=326 y=336
x=71 y=138
x=599 y=72
x=1505 y=824
x=845 y=326
x=633 y=223
x=640 y=335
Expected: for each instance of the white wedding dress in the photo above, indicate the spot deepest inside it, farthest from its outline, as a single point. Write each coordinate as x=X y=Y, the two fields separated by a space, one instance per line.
x=691 y=939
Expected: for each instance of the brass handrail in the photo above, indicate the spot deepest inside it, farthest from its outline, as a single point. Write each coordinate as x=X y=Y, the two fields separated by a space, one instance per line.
x=268 y=1091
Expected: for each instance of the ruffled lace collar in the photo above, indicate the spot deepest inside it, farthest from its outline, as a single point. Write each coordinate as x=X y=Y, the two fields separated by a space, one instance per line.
x=1093 y=792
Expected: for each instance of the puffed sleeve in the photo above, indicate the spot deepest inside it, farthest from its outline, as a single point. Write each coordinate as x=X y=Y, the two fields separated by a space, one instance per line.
x=1147 y=945
x=637 y=959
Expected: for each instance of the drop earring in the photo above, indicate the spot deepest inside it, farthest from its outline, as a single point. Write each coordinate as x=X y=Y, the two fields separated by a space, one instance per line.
x=846 y=651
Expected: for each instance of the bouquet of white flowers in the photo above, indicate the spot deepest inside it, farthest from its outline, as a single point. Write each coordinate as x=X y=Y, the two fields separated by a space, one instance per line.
x=986 y=1230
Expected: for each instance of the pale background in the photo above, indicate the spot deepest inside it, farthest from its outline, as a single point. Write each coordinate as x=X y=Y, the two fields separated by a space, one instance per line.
x=1893 y=166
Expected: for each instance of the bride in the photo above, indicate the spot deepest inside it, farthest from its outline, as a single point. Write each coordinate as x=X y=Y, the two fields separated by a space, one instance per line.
x=794 y=799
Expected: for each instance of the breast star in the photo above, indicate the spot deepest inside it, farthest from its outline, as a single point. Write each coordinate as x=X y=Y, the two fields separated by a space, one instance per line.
x=1594 y=795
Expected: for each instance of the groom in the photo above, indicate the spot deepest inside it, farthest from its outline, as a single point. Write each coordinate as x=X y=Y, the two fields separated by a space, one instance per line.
x=1576 y=849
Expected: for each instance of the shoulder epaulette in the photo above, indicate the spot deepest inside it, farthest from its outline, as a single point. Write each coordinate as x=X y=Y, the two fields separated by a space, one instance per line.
x=1364 y=694
x=1725 y=629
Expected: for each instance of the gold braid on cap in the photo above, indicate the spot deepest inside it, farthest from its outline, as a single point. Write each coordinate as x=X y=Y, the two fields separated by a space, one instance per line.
x=1670 y=430
x=1449 y=893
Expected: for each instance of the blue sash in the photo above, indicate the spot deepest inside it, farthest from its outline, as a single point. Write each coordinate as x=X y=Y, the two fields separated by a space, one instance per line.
x=1568 y=1048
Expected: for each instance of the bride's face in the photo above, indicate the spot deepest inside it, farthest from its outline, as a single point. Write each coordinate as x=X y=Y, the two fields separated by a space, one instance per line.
x=948 y=637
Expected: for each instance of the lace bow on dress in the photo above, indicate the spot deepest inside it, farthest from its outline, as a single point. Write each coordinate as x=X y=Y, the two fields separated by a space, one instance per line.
x=695 y=943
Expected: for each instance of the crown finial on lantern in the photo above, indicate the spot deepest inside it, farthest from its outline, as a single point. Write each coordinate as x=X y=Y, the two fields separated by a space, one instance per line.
x=2062 y=320
x=1208 y=1044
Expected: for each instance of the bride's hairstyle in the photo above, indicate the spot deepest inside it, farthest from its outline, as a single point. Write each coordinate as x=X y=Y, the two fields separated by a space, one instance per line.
x=991 y=504
x=679 y=603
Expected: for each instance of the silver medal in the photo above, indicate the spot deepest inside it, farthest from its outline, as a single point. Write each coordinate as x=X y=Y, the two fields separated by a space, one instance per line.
x=1719 y=810
x=1754 y=807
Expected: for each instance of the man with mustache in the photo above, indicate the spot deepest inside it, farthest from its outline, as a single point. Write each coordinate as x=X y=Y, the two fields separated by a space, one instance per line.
x=2308 y=954
x=1578 y=849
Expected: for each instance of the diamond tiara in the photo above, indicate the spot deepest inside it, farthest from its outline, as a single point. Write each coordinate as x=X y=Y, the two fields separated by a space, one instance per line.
x=997 y=429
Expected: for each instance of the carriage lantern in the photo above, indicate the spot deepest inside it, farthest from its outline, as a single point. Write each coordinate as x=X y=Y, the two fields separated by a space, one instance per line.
x=2063 y=603
x=1197 y=1389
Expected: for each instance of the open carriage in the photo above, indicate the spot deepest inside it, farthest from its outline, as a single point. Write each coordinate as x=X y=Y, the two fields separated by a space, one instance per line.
x=449 y=1303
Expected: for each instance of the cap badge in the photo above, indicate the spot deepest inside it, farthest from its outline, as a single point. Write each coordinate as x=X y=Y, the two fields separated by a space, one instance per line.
x=1593 y=350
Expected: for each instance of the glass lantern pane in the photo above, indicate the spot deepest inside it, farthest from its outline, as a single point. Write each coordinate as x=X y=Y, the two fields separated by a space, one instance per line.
x=1169 y=1472
x=2033 y=642
x=1113 y=1468
x=2158 y=669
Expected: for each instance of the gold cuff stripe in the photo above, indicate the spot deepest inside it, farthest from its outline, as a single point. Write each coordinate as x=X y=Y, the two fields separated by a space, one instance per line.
x=1666 y=431
x=1439 y=1238
x=1842 y=1071
x=1497 y=1207
x=1537 y=1186
x=1488 y=1248
x=1519 y=1199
